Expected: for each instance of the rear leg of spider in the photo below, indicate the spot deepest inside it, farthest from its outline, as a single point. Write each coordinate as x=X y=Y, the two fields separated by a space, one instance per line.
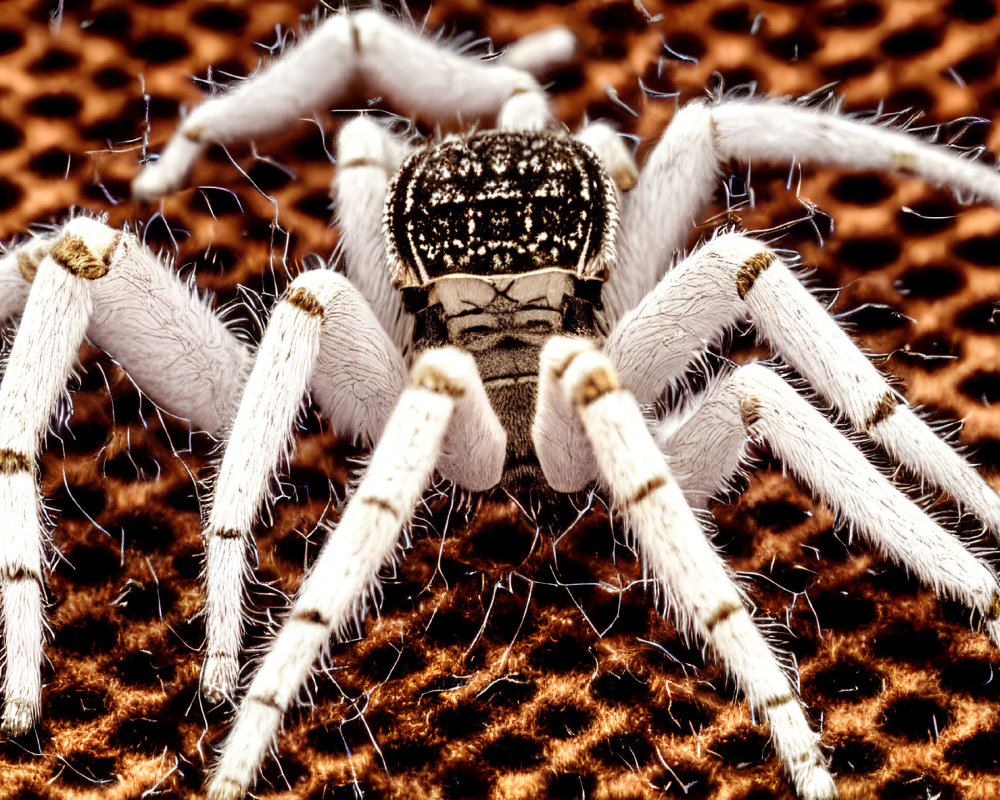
x=369 y=54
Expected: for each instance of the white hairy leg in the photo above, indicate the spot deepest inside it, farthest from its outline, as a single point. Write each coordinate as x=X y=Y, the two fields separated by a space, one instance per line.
x=90 y=280
x=539 y=53
x=698 y=589
x=322 y=334
x=167 y=338
x=680 y=176
x=41 y=359
x=367 y=156
x=346 y=571
x=17 y=270
x=610 y=148
x=734 y=276
x=755 y=402
x=360 y=54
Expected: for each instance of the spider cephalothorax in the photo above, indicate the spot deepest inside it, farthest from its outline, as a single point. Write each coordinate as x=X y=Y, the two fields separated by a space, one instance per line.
x=456 y=360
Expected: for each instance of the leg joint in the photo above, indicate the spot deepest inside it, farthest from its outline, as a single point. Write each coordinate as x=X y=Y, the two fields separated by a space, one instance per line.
x=725 y=610
x=266 y=700
x=306 y=302
x=311 y=617
x=886 y=406
x=73 y=255
x=12 y=462
x=599 y=382
x=12 y=574
x=647 y=489
x=751 y=269
x=381 y=504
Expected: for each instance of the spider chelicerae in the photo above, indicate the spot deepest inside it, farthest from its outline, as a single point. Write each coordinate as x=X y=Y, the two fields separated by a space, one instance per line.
x=507 y=313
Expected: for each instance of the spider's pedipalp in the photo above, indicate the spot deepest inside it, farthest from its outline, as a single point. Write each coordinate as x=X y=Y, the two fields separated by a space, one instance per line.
x=322 y=336
x=539 y=53
x=349 y=56
x=735 y=276
x=346 y=570
x=610 y=148
x=699 y=589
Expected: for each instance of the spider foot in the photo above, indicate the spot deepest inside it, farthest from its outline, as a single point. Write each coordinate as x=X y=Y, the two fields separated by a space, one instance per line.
x=169 y=173
x=220 y=788
x=815 y=783
x=219 y=675
x=18 y=716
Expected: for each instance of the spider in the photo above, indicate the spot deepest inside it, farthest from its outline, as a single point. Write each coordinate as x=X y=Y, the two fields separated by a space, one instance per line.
x=538 y=254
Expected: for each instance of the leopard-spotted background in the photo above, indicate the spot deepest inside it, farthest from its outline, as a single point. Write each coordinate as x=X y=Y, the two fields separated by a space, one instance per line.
x=504 y=663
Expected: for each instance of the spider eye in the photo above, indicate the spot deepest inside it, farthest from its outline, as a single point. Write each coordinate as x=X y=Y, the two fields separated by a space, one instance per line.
x=500 y=203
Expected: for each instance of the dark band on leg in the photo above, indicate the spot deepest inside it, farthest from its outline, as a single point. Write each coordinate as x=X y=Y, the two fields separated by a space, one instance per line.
x=306 y=302
x=266 y=700
x=886 y=406
x=28 y=266
x=382 y=504
x=598 y=383
x=355 y=36
x=13 y=575
x=749 y=412
x=780 y=700
x=722 y=613
x=429 y=377
x=363 y=162
x=751 y=270
x=312 y=617
x=12 y=462
x=993 y=612
x=223 y=533
x=647 y=489
x=72 y=254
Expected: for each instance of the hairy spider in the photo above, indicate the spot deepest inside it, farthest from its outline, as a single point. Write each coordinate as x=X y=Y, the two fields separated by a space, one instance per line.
x=505 y=244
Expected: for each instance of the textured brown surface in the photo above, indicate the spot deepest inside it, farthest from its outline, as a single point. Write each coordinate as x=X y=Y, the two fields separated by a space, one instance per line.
x=506 y=664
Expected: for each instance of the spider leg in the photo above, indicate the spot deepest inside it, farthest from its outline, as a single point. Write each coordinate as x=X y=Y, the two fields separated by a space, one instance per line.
x=41 y=358
x=680 y=175
x=700 y=591
x=348 y=55
x=755 y=401
x=322 y=335
x=364 y=541
x=90 y=280
x=367 y=156
x=734 y=276
x=17 y=270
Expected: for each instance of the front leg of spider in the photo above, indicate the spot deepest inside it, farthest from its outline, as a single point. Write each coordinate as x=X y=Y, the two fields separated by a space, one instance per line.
x=365 y=540
x=699 y=590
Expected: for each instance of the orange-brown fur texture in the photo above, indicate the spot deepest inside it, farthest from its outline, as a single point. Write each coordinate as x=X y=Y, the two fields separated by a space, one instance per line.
x=504 y=663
